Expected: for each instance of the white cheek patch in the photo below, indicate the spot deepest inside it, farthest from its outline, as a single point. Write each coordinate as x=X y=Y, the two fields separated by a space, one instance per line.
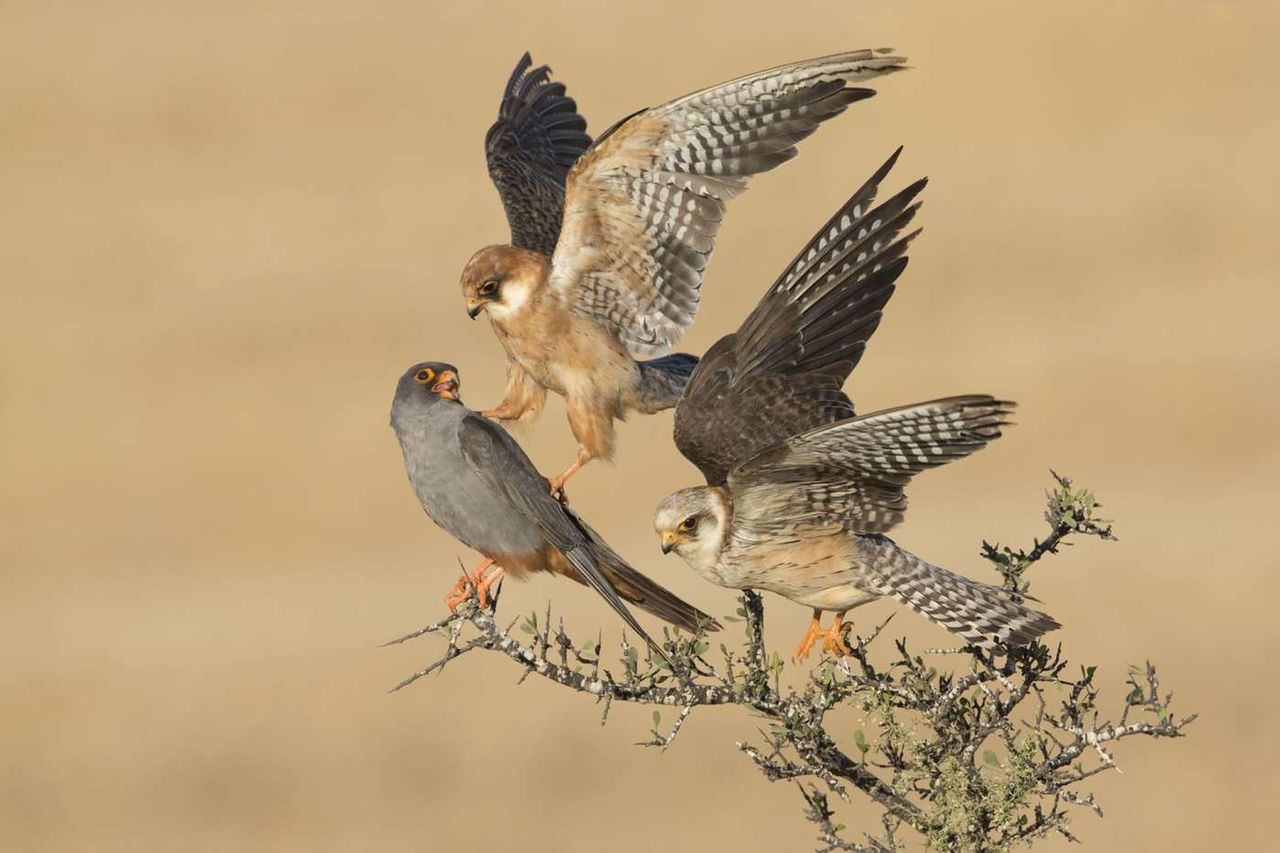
x=514 y=296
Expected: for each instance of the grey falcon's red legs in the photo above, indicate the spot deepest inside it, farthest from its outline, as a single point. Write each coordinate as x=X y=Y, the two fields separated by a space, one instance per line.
x=475 y=579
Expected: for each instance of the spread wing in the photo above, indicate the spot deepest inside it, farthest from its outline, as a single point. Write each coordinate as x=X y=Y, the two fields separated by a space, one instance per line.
x=644 y=204
x=851 y=474
x=503 y=466
x=780 y=374
x=536 y=139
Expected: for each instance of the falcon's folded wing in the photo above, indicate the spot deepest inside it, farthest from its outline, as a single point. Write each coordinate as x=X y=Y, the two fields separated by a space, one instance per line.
x=780 y=374
x=643 y=205
x=852 y=474
x=503 y=466
x=536 y=139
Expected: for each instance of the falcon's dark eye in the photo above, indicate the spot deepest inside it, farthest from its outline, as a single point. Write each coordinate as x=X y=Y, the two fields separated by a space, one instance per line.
x=424 y=376
x=489 y=288
x=689 y=525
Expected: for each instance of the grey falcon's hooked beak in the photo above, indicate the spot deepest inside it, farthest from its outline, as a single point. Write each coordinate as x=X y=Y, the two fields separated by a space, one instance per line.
x=447 y=385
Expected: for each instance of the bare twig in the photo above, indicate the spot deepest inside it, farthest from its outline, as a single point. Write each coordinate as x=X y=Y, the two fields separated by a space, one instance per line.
x=961 y=758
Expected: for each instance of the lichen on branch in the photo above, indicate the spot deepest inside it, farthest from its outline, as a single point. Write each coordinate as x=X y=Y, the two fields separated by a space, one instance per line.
x=960 y=748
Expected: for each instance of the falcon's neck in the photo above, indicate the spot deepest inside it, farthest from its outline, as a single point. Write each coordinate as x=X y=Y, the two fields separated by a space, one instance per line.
x=706 y=553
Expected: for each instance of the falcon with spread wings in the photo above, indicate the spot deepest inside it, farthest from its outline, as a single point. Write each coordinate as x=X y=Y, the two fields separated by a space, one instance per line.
x=594 y=320
x=800 y=492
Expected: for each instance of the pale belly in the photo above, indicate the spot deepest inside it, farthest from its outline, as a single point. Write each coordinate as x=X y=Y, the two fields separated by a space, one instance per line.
x=825 y=574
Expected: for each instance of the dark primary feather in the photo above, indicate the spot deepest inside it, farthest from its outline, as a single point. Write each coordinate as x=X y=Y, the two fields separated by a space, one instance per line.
x=781 y=373
x=537 y=137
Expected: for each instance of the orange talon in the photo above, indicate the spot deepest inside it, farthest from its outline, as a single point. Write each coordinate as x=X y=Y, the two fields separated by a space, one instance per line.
x=810 y=637
x=482 y=588
x=834 y=642
x=557 y=482
x=459 y=593
x=470 y=580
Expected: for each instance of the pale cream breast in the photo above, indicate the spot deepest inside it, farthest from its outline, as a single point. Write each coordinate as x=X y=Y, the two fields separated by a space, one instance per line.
x=819 y=569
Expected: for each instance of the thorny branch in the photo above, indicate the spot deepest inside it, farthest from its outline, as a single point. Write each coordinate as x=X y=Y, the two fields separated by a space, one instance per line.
x=983 y=758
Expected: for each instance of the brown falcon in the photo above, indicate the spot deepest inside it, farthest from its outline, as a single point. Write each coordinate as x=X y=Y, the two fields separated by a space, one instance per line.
x=595 y=320
x=800 y=492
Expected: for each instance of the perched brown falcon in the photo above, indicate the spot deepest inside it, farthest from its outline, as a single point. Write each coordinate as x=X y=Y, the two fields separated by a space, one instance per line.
x=641 y=211
x=799 y=491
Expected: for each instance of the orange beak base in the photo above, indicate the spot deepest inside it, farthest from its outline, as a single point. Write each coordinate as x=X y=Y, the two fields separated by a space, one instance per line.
x=447 y=386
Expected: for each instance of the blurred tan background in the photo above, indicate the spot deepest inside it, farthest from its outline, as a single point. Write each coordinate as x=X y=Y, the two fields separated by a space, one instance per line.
x=227 y=228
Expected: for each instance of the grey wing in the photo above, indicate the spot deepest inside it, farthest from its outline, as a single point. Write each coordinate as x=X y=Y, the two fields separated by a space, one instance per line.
x=852 y=474
x=644 y=204
x=503 y=466
x=781 y=373
x=530 y=148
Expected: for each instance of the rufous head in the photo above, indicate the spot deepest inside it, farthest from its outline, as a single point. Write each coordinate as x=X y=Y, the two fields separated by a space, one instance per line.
x=500 y=279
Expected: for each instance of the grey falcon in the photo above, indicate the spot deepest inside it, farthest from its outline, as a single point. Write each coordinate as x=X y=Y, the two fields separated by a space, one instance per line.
x=594 y=316
x=477 y=484
x=800 y=491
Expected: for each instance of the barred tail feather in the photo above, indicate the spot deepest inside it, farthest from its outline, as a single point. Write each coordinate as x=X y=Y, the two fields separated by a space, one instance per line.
x=981 y=614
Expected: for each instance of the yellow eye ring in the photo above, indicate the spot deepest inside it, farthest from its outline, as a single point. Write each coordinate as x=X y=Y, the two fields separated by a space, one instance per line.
x=687 y=525
x=425 y=375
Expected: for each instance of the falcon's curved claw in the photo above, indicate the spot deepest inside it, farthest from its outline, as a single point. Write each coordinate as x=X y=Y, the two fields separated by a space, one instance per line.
x=473 y=579
x=835 y=643
x=810 y=637
x=557 y=483
x=461 y=592
x=482 y=588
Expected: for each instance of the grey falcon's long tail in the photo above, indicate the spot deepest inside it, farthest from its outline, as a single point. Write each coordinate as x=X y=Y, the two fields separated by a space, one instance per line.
x=662 y=381
x=981 y=614
x=635 y=588
x=646 y=594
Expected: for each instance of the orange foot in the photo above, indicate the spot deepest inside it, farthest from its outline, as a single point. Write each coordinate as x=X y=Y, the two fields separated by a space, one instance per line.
x=557 y=482
x=474 y=579
x=557 y=487
x=834 y=642
x=482 y=588
x=810 y=637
